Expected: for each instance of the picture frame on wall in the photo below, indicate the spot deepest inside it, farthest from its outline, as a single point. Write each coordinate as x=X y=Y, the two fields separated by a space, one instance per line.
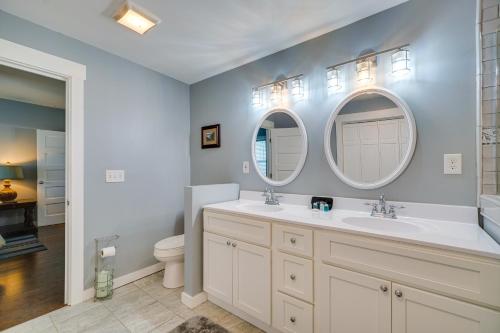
x=210 y=136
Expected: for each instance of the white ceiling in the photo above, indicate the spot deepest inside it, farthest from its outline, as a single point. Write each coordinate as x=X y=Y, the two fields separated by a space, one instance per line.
x=198 y=38
x=21 y=86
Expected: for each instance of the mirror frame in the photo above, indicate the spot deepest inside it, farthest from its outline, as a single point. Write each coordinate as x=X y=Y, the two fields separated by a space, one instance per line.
x=303 y=156
x=412 y=137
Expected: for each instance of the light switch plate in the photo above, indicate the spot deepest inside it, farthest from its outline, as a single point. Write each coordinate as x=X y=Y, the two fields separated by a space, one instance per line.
x=246 y=167
x=452 y=164
x=115 y=176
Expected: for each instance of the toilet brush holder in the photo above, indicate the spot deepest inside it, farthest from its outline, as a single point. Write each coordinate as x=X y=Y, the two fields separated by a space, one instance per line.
x=104 y=266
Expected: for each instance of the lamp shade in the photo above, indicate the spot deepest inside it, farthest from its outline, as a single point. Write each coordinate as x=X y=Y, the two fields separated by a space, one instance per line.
x=11 y=172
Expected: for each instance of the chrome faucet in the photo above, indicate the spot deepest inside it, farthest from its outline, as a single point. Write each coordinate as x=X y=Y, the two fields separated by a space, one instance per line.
x=380 y=209
x=271 y=197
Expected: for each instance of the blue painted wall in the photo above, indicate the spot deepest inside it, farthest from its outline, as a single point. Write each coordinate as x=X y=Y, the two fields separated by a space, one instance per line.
x=137 y=120
x=440 y=91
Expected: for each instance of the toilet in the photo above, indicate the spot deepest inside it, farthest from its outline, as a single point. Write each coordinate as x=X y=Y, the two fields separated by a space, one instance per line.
x=171 y=251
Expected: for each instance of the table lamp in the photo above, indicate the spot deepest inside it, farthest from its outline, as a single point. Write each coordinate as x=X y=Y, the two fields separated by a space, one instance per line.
x=7 y=173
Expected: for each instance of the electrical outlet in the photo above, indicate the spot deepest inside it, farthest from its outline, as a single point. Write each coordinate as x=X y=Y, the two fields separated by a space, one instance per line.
x=115 y=176
x=452 y=164
x=246 y=167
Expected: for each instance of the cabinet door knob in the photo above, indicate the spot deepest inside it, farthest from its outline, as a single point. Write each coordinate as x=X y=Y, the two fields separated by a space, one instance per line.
x=384 y=288
x=293 y=319
x=398 y=293
x=41 y=182
x=293 y=240
x=228 y=243
x=292 y=277
x=234 y=244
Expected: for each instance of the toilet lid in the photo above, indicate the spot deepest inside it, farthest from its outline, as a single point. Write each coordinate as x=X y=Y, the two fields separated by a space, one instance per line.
x=170 y=243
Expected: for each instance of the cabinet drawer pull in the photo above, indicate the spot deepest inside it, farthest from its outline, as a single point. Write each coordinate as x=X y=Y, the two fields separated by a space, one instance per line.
x=398 y=293
x=384 y=288
x=293 y=240
x=293 y=319
x=292 y=277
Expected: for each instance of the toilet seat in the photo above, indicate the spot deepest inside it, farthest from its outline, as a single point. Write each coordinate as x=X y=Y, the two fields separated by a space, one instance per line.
x=169 y=247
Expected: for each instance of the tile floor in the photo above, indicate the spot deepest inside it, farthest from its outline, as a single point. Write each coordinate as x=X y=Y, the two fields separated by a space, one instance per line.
x=142 y=306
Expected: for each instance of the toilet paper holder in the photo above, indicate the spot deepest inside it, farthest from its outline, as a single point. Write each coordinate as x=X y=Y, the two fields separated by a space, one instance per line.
x=106 y=250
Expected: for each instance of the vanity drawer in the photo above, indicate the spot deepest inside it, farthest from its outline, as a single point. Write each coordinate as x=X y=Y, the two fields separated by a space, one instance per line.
x=293 y=240
x=293 y=275
x=248 y=230
x=291 y=315
x=459 y=275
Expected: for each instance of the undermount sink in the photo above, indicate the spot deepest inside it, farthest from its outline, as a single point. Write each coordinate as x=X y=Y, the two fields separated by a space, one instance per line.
x=381 y=224
x=262 y=208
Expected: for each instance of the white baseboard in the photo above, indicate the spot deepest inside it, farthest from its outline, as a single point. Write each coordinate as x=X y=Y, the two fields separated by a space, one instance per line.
x=128 y=278
x=193 y=301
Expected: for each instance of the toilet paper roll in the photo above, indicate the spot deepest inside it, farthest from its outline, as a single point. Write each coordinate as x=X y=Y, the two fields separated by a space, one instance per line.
x=108 y=252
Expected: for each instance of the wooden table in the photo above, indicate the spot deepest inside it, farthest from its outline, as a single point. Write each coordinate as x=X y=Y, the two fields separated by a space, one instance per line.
x=28 y=227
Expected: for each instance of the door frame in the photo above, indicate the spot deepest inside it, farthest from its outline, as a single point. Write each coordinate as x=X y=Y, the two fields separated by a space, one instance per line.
x=74 y=74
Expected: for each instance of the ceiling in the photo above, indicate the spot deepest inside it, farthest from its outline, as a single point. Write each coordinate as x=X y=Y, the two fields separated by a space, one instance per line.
x=198 y=38
x=21 y=86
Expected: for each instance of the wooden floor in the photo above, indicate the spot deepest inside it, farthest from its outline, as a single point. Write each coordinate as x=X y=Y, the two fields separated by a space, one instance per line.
x=33 y=284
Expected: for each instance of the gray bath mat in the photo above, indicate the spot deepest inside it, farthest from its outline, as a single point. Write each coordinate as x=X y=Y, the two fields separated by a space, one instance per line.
x=199 y=324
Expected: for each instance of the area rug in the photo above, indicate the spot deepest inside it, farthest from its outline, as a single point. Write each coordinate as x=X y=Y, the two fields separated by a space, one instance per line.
x=19 y=245
x=199 y=324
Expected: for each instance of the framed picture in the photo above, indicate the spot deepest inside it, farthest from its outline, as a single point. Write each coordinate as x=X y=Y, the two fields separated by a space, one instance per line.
x=210 y=136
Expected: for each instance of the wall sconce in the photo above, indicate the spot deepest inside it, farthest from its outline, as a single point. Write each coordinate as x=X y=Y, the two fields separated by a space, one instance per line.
x=256 y=97
x=400 y=62
x=297 y=87
x=277 y=92
x=364 y=69
x=333 y=79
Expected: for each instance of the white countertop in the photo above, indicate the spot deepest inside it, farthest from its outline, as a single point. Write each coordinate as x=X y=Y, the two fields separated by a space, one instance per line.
x=449 y=235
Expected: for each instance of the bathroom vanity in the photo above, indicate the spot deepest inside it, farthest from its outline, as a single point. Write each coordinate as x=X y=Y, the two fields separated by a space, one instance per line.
x=286 y=268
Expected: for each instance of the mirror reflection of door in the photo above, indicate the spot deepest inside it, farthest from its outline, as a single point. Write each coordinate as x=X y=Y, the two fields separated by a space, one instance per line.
x=278 y=146
x=371 y=138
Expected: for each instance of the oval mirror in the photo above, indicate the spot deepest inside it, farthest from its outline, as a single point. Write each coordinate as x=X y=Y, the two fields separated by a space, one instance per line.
x=279 y=147
x=370 y=138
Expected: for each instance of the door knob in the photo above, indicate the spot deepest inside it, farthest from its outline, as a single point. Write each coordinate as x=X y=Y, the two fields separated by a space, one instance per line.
x=234 y=244
x=228 y=243
x=293 y=319
x=292 y=277
x=398 y=293
x=293 y=240
x=41 y=182
x=384 y=288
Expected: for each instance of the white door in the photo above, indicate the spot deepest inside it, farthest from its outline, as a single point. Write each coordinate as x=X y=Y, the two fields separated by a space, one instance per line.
x=349 y=302
x=417 y=311
x=252 y=280
x=50 y=147
x=218 y=266
x=286 y=148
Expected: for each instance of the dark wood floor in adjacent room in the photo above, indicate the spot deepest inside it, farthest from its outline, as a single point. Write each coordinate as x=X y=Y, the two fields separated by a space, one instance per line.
x=33 y=284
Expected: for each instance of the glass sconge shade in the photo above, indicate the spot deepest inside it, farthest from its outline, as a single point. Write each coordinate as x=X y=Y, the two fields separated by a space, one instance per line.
x=297 y=87
x=333 y=79
x=400 y=62
x=256 y=97
x=364 y=70
x=276 y=93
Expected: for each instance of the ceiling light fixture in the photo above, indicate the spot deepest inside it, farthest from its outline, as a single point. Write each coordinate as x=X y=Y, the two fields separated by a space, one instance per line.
x=364 y=70
x=135 y=18
x=277 y=92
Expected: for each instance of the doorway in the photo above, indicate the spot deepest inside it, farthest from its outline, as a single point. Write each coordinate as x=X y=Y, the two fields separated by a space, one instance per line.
x=73 y=75
x=32 y=195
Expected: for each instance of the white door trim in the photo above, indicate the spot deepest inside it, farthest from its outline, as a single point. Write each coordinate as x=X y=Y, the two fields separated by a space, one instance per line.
x=31 y=60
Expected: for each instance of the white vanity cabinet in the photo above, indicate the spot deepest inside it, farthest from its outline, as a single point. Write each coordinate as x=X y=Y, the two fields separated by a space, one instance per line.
x=234 y=270
x=292 y=278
